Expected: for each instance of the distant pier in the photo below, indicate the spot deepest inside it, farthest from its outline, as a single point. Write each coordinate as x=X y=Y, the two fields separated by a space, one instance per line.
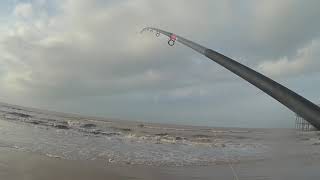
x=303 y=125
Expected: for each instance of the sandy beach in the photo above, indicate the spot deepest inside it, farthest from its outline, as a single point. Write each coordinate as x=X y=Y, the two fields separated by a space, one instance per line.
x=16 y=165
x=20 y=165
x=36 y=144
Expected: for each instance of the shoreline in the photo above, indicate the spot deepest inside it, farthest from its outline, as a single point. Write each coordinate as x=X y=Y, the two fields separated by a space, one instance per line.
x=16 y=165
x=37 y=145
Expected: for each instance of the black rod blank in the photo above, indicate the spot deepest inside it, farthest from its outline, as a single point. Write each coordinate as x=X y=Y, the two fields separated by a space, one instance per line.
x=298 y=104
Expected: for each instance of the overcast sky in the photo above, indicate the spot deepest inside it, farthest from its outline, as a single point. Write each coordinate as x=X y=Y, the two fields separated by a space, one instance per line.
x=87 y=57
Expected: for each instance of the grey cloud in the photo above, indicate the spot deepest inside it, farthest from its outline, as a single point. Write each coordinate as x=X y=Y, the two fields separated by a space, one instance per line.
x=90 y=51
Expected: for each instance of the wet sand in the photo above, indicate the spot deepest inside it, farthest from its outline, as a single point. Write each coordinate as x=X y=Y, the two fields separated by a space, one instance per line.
x=17 y=165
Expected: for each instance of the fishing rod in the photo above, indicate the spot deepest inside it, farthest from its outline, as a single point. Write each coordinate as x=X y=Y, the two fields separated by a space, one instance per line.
x=298 y=104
